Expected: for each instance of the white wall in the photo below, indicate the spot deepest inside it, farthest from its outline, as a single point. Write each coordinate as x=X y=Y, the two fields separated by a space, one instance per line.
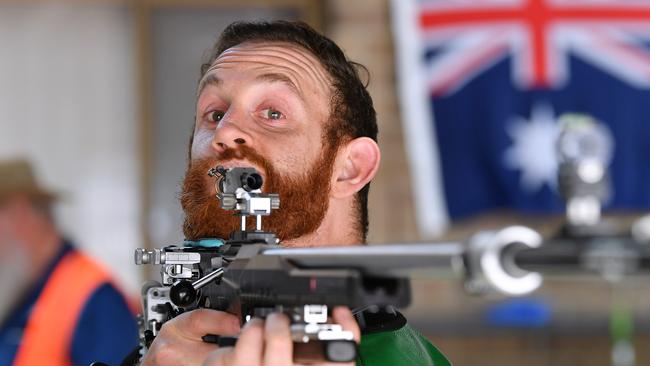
x=67 y=101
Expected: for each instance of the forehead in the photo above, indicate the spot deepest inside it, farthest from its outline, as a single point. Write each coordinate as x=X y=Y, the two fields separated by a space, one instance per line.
x=295 y=63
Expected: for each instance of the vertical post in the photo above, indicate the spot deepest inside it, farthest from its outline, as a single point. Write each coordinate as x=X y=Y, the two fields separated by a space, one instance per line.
x=141 y=18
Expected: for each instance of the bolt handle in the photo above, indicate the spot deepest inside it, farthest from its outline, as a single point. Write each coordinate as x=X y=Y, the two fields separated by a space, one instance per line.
x=183 y=294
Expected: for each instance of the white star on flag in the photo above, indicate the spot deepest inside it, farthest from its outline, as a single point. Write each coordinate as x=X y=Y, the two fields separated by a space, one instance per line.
x=533 y=150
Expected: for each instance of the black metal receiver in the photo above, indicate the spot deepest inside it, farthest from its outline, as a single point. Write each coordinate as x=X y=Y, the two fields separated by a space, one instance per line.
x=236 y=276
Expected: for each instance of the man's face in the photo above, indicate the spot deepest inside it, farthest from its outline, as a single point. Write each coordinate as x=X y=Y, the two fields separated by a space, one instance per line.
x=262 y=105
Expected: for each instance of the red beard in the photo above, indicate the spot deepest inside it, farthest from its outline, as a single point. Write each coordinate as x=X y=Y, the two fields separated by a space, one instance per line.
x=304 y=198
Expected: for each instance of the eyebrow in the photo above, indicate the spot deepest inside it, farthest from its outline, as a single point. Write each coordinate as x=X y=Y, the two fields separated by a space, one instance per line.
x=279 y=78
x=211 y=79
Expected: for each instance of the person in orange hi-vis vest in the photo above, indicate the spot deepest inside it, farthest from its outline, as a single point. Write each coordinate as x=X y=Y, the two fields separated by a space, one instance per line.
x=57 y=306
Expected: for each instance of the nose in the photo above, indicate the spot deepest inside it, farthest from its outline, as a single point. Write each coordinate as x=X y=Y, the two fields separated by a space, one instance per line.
x=229 y=134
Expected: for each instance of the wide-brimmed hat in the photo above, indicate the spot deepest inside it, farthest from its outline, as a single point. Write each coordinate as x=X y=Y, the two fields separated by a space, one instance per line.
x=17 y=177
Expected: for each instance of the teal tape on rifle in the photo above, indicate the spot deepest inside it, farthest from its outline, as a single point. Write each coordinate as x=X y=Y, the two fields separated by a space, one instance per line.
x=205 y=243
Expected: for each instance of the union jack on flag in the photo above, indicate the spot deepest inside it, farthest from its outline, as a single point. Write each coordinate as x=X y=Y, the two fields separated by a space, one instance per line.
x=539 y=35
x=483 y=81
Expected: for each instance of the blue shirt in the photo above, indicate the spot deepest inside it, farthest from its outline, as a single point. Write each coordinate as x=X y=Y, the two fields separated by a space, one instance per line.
x=106 y=330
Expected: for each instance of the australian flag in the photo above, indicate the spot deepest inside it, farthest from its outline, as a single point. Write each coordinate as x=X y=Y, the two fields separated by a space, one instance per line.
x=496 y=74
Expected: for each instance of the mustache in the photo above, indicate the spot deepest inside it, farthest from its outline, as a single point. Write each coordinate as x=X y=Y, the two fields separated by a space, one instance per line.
x=244 y=153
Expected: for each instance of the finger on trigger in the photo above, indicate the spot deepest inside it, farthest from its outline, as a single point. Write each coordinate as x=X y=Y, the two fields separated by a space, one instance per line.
x=343 y=316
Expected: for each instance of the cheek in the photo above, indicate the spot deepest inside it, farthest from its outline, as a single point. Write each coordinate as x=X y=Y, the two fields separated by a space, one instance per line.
x=295 y=158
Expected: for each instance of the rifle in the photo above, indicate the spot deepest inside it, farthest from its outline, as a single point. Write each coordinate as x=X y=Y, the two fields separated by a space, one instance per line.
x=251 y=275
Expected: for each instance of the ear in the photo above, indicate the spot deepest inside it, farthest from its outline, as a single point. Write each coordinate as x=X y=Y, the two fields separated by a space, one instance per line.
x=357 y=164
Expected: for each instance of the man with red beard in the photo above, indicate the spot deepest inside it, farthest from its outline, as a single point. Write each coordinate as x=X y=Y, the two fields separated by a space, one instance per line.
x=285 y=100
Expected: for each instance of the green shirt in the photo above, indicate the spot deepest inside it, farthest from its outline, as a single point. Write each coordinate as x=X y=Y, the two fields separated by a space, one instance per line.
x=404 y=347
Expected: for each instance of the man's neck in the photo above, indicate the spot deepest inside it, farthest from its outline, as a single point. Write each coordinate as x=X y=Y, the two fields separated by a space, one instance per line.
x=337 y=229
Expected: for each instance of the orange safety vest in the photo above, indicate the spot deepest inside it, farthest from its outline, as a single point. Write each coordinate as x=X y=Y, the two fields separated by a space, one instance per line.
x=49 y=331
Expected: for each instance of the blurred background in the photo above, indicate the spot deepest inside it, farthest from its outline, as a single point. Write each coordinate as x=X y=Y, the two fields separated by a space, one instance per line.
x=100 y=95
